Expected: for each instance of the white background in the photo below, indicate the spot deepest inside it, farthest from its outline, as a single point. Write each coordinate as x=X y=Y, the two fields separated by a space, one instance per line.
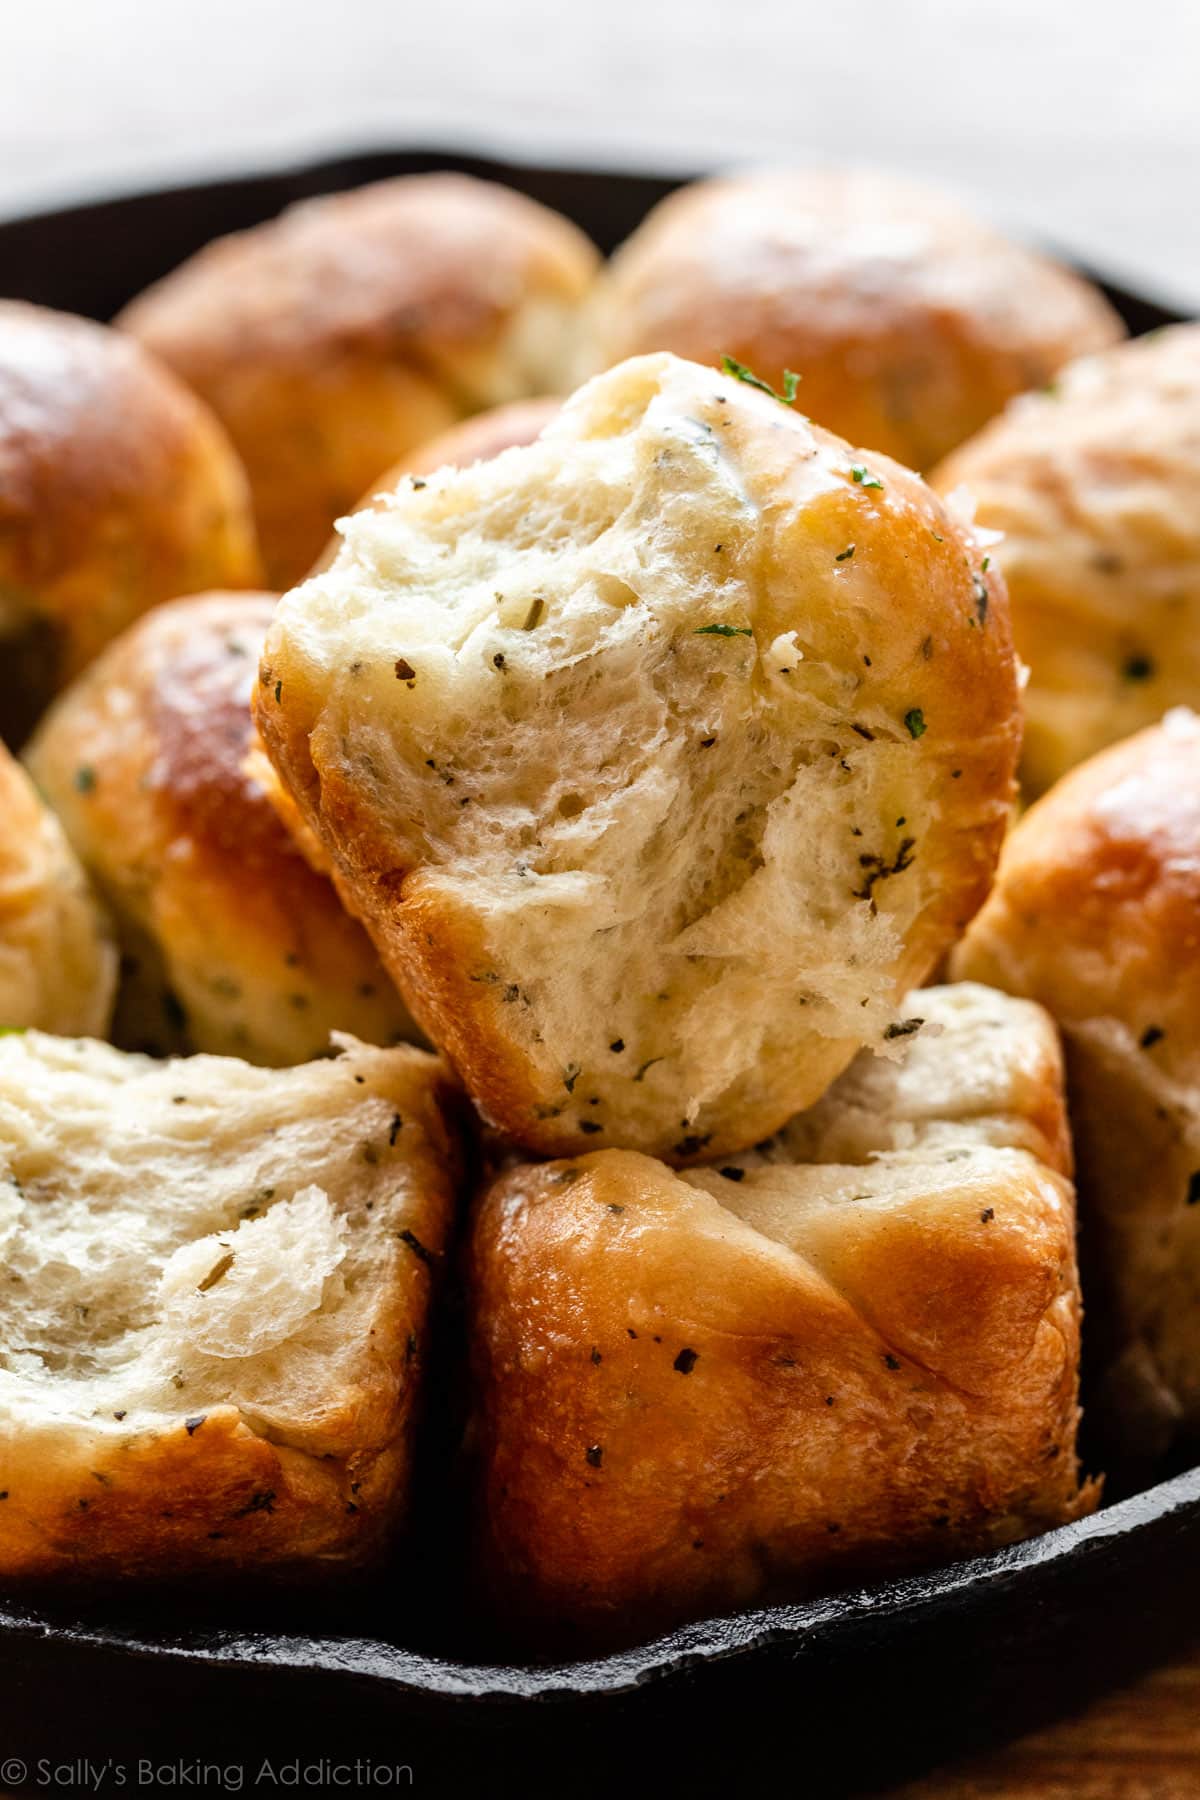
x=1076 y=122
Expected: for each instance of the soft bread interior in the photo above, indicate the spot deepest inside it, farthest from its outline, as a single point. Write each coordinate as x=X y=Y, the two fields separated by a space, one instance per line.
x=183 y=1235
x=593 y=698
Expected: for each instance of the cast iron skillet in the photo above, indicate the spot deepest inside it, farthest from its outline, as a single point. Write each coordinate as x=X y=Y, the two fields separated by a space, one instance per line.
x=827 y=1697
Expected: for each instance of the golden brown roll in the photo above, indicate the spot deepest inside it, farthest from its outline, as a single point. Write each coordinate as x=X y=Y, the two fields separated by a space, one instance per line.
x=233 y=943
x=660 y=757
x=853 y=1350
x=1094 y=484
x=1096 y=913
x=216 y=1307
x=477 y=439
x=337 y=338
x=909 y=321
x=118 y=489
x=58 y=962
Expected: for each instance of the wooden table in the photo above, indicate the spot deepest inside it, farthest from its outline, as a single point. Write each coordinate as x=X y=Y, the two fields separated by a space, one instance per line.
x=1142 y=1743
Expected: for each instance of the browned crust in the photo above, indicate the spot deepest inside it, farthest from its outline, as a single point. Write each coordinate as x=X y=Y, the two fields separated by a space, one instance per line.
x=86 y=1498
x=676 y=1415
x=118 y=488
x=1093 y=486
x=1096 y=905
x=146 y=761
x=910 y=322
x=351 y=329
x=1095 y=914
x=938 y=649
x=477 y=439
x=480 y=438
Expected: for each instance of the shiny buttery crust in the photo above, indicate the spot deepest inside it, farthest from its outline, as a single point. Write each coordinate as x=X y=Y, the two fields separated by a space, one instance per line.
x=58 y=962
x=910 y=322
x=118 y=489
x=1096 y=913
x=234 y=944
x=852 y=1351
x=341 y=335
x=156 y=1420
x=660 y=757
x=1094 y=486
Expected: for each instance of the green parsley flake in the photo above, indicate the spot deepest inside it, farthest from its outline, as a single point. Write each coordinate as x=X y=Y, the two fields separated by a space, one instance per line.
x=85 y=779
x=740 y=372
x=864 y=477
x=722 y=631
x=914 y=719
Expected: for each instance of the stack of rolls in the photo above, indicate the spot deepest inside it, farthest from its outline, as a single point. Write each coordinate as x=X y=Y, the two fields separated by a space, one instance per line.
x=663 y=758
x=645 y=750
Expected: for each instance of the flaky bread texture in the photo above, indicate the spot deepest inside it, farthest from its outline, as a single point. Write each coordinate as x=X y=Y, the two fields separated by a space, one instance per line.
x=338 y=337
x=660 y=757
x=852 y=1351
x=215 y=1307
x=58 y=961
x=476 y=439
x=1096 y=914
x=233 y=943
x=910 y=321
x=118 y=489
x=1093 y=484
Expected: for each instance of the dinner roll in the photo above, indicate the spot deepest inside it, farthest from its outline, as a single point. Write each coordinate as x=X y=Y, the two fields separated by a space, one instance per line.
x=117 y=489
x=336 y=338
x=479 y=439
x=852 y=1351
x=660 y=757
x=474 y=440
x=58 y=964
x=216 y=1308
x=909 y=321
x=233 y=943
x=1094 y=484
x=1096 y=913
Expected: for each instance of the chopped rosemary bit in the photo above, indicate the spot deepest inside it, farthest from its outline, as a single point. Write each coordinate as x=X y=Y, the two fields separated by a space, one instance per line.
x=219 y=1268
x=900 y=1028
x=723 y=631
x=740 y=372
x=914 y=719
